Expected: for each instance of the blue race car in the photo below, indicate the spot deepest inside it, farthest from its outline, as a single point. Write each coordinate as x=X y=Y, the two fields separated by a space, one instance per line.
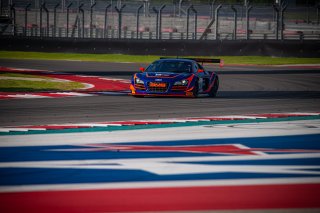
x=176 y=77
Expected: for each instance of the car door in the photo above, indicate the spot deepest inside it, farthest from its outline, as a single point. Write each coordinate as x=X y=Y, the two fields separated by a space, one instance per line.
x=204 y=78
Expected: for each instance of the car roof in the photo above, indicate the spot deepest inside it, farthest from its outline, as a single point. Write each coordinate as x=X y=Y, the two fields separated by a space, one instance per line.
x=176 y=59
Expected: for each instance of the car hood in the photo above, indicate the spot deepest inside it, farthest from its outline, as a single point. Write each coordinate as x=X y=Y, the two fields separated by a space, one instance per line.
x=167 y=76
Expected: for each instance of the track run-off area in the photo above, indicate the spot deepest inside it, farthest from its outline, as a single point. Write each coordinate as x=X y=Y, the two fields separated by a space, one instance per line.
x=256 y=147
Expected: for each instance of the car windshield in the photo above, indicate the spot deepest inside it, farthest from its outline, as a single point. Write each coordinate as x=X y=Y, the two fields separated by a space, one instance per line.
x=170 y=66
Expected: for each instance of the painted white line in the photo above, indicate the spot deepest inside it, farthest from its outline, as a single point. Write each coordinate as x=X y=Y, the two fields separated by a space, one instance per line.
x=301 y=113
x=37 y=129
x=20 y=129
x=16 y=129
x=167 y=134
x=157 y=184
x=73 y=94
x=87 y=86
x=115 y=79
x=96 y=124
x=111 y=124
x=117 y=163
x=174 y=120
x=26 y=96
x=238 y=117
x=198 y=120
x=26 y=69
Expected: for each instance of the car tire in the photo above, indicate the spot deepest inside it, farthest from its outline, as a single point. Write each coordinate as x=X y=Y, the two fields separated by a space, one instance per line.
x=195 y=90
x=214 y=90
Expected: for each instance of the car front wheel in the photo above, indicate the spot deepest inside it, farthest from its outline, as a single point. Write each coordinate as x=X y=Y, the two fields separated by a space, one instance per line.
x=195 y=90
x=214 y=89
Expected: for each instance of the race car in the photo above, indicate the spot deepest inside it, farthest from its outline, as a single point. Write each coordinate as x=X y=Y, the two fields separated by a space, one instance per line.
x=176 y=77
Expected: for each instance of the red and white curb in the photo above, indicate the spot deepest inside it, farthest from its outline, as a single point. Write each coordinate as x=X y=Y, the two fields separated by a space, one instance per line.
x=7 y=95
x=153 y=122
x=94 y=85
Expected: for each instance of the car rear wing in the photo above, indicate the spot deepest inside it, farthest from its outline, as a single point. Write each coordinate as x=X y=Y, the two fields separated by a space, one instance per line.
x=203 y=60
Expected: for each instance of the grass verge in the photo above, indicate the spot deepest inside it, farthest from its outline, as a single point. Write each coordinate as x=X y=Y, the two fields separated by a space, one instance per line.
x=30 y=83
x=250 y=60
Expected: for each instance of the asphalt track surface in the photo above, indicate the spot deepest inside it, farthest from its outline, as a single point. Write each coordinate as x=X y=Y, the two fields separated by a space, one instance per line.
x=243 y=90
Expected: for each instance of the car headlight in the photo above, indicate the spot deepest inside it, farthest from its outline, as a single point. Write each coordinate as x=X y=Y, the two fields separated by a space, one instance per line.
x=138 y=81
x=181 y=83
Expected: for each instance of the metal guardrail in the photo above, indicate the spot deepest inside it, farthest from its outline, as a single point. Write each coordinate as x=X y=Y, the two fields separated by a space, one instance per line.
x=103 y=20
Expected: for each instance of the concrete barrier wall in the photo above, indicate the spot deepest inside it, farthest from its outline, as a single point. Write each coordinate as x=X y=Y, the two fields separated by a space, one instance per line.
x=286 y=48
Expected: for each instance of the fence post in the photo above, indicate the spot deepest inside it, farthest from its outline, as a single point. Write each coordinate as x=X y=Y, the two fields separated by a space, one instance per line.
x=68 y=8
x=43 y=6
x=91 y=17
x=157 y=20
x=81 y=30
x=119 y=11
x=195 y=22
x=277 y=20
x=63 y=5
x=55 y=19
x=13 y=16
x=160 y=20
x=211 y=9
x=1 y=6
x=248 y=8
x=138 y=19
x=48 y=21
x=308 y=12
x=283 y=7
x=158 y=24
x=217 y=21
x=318 y=8
x=105 y=34
x=235 y=18
x=180 y=5
x=26 y=19
x=146 y=7
x=188 y=15
x=41 y=20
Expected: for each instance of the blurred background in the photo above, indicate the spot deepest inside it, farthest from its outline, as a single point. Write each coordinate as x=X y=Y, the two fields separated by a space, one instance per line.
x=162 y=19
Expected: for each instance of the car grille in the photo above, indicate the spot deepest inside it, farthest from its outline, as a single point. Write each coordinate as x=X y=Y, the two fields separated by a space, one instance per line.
x=157 y=89
x=140 y=87
x=179 y=88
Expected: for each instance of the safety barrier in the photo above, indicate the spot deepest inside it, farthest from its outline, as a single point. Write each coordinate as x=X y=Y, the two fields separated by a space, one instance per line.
x=288 y=48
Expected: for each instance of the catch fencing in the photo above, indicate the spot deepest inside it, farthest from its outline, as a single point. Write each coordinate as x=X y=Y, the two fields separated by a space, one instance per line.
x=183 y=20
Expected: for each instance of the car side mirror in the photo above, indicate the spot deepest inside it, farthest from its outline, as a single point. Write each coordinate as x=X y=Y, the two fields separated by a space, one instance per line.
x=142 y=69
x=200 y=71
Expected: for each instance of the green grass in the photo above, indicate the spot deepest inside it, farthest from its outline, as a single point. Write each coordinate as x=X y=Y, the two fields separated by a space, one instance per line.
x=18 y=75
x=251 y=60
x=77 y=57
x=267 y=60
x=19 y=85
